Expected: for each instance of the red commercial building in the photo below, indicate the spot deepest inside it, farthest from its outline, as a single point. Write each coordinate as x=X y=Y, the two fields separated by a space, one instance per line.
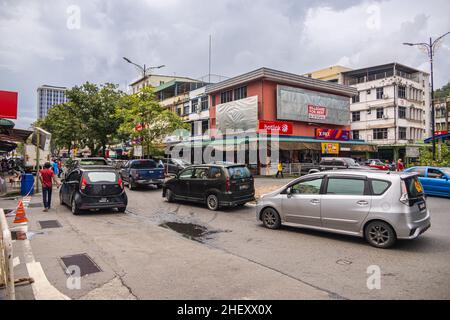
x=311 y=117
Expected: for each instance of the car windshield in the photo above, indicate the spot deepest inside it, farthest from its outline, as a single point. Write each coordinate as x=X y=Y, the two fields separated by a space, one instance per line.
x=239 y=172
x=446 y=171
x=143 y=164
x=102 y=176
x=352 y=162
x=93 y=162
x=181 y=162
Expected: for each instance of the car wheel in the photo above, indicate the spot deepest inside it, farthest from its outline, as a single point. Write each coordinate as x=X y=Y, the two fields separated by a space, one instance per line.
x=74 y=208
x=212 y=202
x=122 y=210
x=379 y=234
x=169 y=195
x=270 y=218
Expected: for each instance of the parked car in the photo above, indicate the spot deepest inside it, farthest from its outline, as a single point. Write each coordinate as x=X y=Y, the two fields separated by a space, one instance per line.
x=173 y=166
x=93 y=188
x=142 y=173
x=435 y=181
x=91 y=162
x=213 y=184
x=335 y=164
x=378 y=165
x=381 y=207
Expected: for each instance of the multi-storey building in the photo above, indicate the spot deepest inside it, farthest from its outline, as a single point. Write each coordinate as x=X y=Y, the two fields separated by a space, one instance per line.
x=392 y=108
x=332 y=74
x=155 y=81
x=442 y=115
x=47 y=97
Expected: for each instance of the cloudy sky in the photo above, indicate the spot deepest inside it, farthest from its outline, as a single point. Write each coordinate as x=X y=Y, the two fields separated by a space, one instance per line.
x=66 y=43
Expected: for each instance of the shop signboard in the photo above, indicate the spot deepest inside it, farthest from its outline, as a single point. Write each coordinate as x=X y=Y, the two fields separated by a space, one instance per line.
x=439 y=133
x=330 y=148
x=279 y=127
x=237 y=116
x=8 y=104
x=332 y=134
x=295 y=104
x=137 y=151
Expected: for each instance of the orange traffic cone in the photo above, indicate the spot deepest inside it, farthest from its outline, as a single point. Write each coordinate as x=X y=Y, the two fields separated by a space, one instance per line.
x=20 y=214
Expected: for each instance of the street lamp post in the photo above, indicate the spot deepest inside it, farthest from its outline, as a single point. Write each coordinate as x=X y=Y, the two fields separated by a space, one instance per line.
x=143 y=69
x=430 y=49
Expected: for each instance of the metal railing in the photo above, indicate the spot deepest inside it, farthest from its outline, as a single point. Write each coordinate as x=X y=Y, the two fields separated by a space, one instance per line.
x=6 y=259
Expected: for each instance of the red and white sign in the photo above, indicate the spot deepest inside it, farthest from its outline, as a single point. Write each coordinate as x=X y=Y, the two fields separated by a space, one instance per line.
x=439 y=133
x=276 y=127
x=8 y=105
x=317 y=112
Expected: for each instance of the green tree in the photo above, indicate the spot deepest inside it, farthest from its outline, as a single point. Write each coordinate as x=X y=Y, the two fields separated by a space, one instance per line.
x=442 y=157
x=144 y=118
x=443 y=92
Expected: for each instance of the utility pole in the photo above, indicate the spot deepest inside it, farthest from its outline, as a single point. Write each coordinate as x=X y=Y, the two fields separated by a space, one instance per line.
x=209 y=68
x=37 y=158
x=431 y=49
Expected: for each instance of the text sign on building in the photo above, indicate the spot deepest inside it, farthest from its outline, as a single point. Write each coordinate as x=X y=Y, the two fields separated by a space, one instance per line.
x=439 y=133
x=278 y=127
x=294 y=104
x=330 y=148
x=238 y=115
x=8 y=105
x=332 y=134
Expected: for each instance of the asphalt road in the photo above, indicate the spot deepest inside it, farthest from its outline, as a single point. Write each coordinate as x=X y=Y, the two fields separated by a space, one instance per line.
x=237 y=258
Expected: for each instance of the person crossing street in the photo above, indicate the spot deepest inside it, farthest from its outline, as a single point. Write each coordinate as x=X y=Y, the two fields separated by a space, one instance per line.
x=47 y=178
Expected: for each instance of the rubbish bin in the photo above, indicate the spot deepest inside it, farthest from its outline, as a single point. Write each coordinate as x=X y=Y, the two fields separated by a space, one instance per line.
x=27 y=184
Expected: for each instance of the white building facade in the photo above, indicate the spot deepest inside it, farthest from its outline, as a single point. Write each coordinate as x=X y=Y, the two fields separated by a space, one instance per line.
x=392 y=109
x=47 y=97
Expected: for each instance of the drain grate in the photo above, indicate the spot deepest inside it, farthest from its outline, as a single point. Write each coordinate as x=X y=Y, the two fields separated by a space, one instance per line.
x=35 y=205
x=83 y=261
x=50 y=224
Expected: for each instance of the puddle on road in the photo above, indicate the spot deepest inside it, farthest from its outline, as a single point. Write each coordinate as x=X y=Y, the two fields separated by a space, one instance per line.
x=191 y=231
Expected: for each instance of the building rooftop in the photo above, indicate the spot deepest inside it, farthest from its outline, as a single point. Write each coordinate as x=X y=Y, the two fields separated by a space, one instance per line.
x=46 y=86
x=284 y=78
x=382 y=67
x=185 y=79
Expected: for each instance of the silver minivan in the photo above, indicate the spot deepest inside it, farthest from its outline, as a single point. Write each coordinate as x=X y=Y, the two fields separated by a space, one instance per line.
x=379 y=206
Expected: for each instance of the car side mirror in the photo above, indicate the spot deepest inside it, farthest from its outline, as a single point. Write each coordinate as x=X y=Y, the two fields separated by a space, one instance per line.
x=289 y=192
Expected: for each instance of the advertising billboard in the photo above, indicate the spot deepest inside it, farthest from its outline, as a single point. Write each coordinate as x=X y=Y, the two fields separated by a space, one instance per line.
x=332 y=134
x=278 y=127
x=330 y=148
x=304 y=105
x=8 y=105
x=239 y=115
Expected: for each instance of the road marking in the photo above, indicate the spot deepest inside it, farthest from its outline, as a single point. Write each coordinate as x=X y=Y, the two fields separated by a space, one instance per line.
x=42 y=288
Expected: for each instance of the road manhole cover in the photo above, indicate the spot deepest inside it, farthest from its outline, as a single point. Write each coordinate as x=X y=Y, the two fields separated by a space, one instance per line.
x=85 y=264
x=50 y=224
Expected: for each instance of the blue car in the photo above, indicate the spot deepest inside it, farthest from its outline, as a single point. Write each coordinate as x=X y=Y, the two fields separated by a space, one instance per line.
x=435 y=181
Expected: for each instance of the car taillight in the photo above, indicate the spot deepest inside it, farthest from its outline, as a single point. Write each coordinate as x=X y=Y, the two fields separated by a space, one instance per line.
x=120 y=182
x=404 y=197
x=83 y=183
x=227 y=184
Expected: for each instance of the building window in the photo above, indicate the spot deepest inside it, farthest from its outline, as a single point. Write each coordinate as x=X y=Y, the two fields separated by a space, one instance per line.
x=226 y=96
x=179 y=111
x=380 y=93
x=380 y=113
x=402 y=92
x=194 y=105
x=204 y=103
x=161 y=83
x=356 y=116
x=240 y=93
x=380 y=134
x=205 y=126
x=356 y=99
x=402 y=133
x=186 y=109
x=355 y=134
x=402 y=112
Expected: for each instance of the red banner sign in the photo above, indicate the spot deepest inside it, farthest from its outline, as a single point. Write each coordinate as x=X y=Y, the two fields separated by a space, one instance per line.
x=317 y=112
x=276 y=127
x=438 y=133
x=8 y=105
x=332 y=134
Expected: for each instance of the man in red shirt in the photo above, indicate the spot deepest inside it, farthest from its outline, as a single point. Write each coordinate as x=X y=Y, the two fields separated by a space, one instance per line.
x=400 y=166
x=47 y=177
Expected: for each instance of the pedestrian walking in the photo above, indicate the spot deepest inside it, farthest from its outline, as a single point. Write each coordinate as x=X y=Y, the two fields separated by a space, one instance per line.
x=47 y=178
x=400 y=165
x=59 y=167
x=279 y=170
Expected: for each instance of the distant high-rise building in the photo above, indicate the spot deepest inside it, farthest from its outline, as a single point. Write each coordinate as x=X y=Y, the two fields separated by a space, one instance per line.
x=47 y=97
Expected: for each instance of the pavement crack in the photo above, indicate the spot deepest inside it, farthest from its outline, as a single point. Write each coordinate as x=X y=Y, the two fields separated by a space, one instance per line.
x=122 y=281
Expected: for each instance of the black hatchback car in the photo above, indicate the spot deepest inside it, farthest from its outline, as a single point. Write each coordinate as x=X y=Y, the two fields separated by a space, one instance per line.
x=93 y=188
x=215 y=185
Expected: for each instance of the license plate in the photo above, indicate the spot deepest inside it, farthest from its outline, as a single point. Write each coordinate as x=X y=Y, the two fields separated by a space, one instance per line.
x=244 y=187
x=151 y=172
x=103 y=200
x=422 y=206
